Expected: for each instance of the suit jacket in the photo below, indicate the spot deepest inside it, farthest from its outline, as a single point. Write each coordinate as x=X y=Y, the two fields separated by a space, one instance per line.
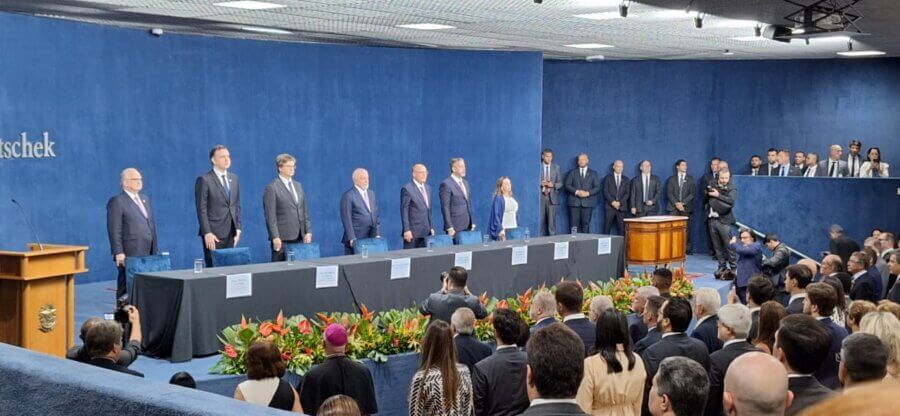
x=843 y=247
x=111 y=365
x=653 y=336
x=688 y=191
x=636 y=328
x=456 y=208
x=795 y=306
x=718 y=366
x=469 y=350
x=358 y=220
x=671 y=346
x=637 y=195
x=586 y=330
x=776 y=265
x=708 y=332
x=557 y=180
x=807 y=392
x=285 y=219
x=442 y=305
x=724 y=203
x=827 y=374
x=499 y=385
x=217 y=212
x=610 y=193
x=843 y=170
x=542 y=323
x=863 y=288
x=130 y=233
x=415 y=213
x=590 y=183
x=554 y=409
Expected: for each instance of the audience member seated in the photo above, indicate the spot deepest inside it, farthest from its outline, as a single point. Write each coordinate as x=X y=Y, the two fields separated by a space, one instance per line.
x=599 y=304
x=679 y=388
x=555 y=370
x=732 y=328
x=864 y=358
x=103 y=345
x=338 y=375
x=183 y=379
x=662 y=280
x=840 y=244
x=498 y=382
x=770 y=315
x=886 y=327
x=453 y=294
x=614 y=375
x=339 y=405
x=873 y=167
x=706 y=305
x=543 y=310
x=801 y=345
x=636 y=326
x=863 y=285
x=775 y=266
x=569 y=301
x=796 y=278
x=856 y=311
x=130 y=351
x=469 y=350
x=650 y=319
x=839 y=316
x=756 y=384
x=749 y=261
x=264 y=385
x=440 y=387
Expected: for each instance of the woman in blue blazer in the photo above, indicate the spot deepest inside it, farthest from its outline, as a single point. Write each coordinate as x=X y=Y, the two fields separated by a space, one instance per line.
x=749 y=261
x=504 y=210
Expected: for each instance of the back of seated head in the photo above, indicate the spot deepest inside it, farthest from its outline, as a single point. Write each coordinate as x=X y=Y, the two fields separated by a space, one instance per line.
x=339 y=405
x=508 y=326
x=864 y=357
x=183 y=379
x=803 y=342
x=859 y=308
x=463 y=320
x=760 y=289
x=800 y=274
x=846 y=280
x=685 y=383
x=823 y=296
x=263 y=361
x=678 y=312
x=662 y=279
x=570 y=296
x=102 y=338
x=654 y=304
x=458 y=276
x=772 y=238
x=555 y=361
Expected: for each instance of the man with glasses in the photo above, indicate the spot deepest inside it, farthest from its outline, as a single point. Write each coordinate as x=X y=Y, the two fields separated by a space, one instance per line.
x=130 y=224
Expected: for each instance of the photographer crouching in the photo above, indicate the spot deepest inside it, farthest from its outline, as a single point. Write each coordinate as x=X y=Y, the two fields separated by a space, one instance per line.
x=721 y=201
x=129 y=350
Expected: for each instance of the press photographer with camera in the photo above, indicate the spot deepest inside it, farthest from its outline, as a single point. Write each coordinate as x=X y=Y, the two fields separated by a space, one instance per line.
x=129 y=350
x=721 y=201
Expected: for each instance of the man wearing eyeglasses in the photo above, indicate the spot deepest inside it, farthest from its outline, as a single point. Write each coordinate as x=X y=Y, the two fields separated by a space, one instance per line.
x=130 y=224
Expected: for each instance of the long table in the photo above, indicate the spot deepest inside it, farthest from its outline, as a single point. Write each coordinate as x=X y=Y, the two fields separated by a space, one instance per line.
x=182 y=312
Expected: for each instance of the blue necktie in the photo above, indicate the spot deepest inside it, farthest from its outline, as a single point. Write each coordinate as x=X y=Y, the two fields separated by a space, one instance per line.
x=227 y=186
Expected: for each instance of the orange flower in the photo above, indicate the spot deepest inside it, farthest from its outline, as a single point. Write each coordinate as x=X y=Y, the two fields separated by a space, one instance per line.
x=265 y=329
x=305 y=327
x=230 y=352
x=243 y=322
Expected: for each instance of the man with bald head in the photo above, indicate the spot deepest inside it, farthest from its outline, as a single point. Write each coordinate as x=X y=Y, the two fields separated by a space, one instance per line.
x=415 y=208
x=756 y=384
x=834 y=167
x=359 y=212
x=130 y=224
x=616 y=192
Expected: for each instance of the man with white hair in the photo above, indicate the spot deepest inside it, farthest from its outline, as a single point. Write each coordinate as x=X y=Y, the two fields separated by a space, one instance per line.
x=599 y=304
x=733 y=327
x=130 y=224
x=756 y=385
x=469 y=350
x=636 y=327
x=706 y=305
x=359 y=211
x=543 y=310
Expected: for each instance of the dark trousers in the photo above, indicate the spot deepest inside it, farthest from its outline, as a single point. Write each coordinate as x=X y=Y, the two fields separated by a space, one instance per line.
x=614 y=217
x=687 y=233
x=121 y=282
x=281 y=255
x=721 y=239
x=415 y=243
x=580 y=217
x=548 y=216
x=227 y=242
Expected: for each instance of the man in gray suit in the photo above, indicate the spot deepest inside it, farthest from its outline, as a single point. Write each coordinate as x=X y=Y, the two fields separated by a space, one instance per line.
x=284 y=204
x=551 y=181
x=218 y=199
x=834 y=167
x=130 y=224
x=645 y=192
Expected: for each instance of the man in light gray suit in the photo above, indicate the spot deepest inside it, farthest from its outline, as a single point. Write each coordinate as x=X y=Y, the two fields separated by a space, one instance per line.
x=218 y=199
x=284 y=203
x=834 y=167
x=551 y=181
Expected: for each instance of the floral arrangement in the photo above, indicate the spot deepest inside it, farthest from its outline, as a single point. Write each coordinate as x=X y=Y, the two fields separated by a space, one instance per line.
x=377 y=335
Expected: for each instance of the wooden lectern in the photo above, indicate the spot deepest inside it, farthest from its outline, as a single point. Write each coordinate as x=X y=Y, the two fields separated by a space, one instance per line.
x=37 y=297
x=655 y=240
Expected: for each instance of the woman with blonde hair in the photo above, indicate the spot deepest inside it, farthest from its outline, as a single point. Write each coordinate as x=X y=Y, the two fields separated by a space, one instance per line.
x=886 y=327
x=504 y=210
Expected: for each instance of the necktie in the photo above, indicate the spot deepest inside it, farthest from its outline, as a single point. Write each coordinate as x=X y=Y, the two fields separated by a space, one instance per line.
x=645 y=187
x=831 y=169
x=293 y=192
x=141 y=206
x=365 y=195
x=226 y=185
x=424 y=195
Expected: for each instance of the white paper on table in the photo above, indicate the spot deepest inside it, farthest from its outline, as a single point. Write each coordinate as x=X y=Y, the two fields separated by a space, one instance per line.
x=604 y=245
x=464 y=260
x=326 y=276
x=561 y=250
x=238 y=285
x=400 y=268
x=519 y=255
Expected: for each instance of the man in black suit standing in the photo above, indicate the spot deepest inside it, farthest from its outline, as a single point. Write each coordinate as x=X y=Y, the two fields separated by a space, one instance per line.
x=130 y=224
x=680 y=189
x=679 y=388
x=863 y=286
x=796 y=279
x=722 y=197
x=616 y=192
x=469 y=350
x=499 y=381
x=840 y=244
x=554 y=372
x=733 y=327
x=801 y=345
x=551 y=181
x=285 y=208
x=569 y=300
x=218 y=199
x=706 y=307
x=415 y=209
x=454 y=294
x=583 y=186
x=645 y=192
x=650 y=320
x=771 y=168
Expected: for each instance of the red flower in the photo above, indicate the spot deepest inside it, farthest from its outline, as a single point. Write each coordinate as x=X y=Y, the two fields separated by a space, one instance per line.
x=265 y=329
x=230 y=352
x=305 y=327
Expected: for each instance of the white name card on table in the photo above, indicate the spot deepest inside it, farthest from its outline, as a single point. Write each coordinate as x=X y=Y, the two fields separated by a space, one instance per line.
x=604 y=245
x=400 y=268
x=561 y=250
x=326 y=276
x=519 y=255
x=238 y=285
x=464 y=260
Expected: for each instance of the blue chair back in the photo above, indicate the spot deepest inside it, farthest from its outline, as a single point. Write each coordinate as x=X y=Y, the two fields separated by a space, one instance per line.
x=231 y=256
x=135 y=265
x=468 y=237
x=515 y=233
x=375 y=245
x=303 y=251
x=442 y=240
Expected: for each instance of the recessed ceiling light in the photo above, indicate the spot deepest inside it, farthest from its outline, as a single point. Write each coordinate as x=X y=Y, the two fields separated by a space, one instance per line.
x=250 y=5
x=426 y=26
x=588 y=46
x=749 y=38
x=602 y=15
x=854 y=54
x=266 y=30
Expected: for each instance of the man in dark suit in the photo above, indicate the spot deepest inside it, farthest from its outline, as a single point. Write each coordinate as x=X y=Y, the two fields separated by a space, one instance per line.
x=706 y=307
x=338 y=374
x=554 y=372
x=551 y=182
x=710 y=178
x=784 y=164
x=796 y=279
x=453 y=295
x=841 y=244
x=583 y=186
x=775 y=265
x=645 y=192
x=733 y=326
x=650 y=319
x=359 y=211
x=616 y=193
x=569 y=299
x=499 y=381
x=834 y=167
x=543 y=310
x=102 y=346
x=469 y=350
x=679 y=388
x=771 y=168
x=680 y=189
x=863 y=286
x=285 y=208
x=636 y=327
x=130 y=224
x=820 y=303
x=721 y=201
x=456 y=203
x=755 y=166
x=218 y=199
x=801 y=345
x=759 y=291
x=415 y=209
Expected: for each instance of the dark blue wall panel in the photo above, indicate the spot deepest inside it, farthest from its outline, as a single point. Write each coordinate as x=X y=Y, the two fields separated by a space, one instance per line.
x=113 y=98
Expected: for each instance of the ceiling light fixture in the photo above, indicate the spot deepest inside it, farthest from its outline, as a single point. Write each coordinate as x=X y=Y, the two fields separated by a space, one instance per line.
x=266 y=30
x=426 y=26
x=250 y=5
x=588 y=46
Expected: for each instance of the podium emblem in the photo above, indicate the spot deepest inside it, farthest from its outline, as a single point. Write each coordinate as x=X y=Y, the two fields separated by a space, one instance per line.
x=48 y=318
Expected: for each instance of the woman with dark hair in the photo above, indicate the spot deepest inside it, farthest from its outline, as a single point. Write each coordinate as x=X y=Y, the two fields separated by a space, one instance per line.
x=749 y=261
x=614 y=375
x=873 y=167
x=339 y=405
x=441 y=386
x=840 y=308
x=770 y=314
x=264 y=385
